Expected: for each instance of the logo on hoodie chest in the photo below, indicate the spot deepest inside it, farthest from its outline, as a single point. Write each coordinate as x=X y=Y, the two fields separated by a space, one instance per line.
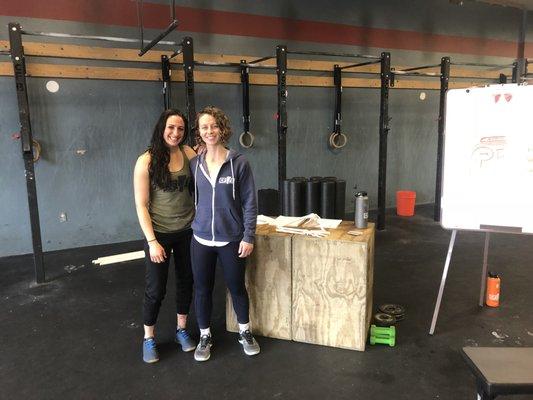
x=228 y=180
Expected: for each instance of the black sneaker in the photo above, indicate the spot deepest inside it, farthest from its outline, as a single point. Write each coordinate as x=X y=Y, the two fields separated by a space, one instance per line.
x=249 y=344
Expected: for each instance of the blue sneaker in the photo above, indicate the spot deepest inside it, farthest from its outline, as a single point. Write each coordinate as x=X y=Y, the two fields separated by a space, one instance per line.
x=150 y=354
x=185 y=340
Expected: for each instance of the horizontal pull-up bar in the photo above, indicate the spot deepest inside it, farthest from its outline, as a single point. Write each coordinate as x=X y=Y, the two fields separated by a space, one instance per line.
x=90 y=37
x=414 y=73
x=422 y=67
x=262 y=66
x=260 y=59
x=320 y=53
x=483 y=65
x=361 y=65
x=474 y=77
x=218 y=64
x=232 y=64
x=156 y=40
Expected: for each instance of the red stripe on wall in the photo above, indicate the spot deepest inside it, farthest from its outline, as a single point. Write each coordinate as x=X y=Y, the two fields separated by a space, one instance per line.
x=157 y=16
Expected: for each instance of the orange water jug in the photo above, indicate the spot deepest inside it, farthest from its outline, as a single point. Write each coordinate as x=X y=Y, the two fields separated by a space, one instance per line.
x=492 y=297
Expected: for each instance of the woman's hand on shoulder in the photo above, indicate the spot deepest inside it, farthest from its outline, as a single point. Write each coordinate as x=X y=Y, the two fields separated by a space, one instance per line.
x=189 y=152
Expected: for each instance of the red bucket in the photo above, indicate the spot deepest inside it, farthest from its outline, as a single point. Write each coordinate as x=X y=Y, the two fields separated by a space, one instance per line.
x=405 y=203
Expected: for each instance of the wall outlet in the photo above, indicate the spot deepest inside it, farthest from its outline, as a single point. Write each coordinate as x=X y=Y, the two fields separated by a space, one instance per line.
x=63 y=217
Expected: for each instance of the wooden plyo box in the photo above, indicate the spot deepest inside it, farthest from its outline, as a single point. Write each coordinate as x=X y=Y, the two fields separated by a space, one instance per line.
x=332 y=281
x=312 y=290
x=268 y=281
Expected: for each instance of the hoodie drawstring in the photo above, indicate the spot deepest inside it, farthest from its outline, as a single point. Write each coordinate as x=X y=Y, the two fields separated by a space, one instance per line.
x=232 y=177
x=195 y=190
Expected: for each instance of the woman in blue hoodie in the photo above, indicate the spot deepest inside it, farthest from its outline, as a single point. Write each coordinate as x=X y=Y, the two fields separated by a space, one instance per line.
x=223 y=227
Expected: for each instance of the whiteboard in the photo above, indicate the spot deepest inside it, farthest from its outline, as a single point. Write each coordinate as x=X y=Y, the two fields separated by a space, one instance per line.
x=487 y=181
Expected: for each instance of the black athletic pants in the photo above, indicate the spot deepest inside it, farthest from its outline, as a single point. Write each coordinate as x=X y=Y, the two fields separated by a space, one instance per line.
x=204 y=260
x=157 y=275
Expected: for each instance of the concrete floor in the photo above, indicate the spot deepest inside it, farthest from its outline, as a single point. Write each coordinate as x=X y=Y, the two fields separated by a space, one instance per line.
x=79 y=335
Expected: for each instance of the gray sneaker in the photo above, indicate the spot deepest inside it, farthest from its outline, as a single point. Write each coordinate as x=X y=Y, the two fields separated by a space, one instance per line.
x=249 y=344
x=203 y=350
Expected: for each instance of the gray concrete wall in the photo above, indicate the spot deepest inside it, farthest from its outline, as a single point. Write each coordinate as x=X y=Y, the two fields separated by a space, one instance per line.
x=112 y=120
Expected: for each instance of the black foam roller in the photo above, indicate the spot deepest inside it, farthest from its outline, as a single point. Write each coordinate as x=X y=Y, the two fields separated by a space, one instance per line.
x=340 y=198
x=327 y=199
x=312 y=197
x=268 y=202
x=295 y=198
x=315 y=178
x=329 y=178
x=285 y=197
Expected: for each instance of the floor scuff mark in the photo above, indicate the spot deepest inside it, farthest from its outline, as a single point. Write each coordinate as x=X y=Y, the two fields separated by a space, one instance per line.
x=131 y=324
x=499 y=336
x=71 y=268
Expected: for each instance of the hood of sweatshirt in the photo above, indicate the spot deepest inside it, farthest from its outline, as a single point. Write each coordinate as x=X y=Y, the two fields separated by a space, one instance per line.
x=201 y=165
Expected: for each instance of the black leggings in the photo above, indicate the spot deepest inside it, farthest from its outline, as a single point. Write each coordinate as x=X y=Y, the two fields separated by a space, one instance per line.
x=157 y=274
x=204 y=260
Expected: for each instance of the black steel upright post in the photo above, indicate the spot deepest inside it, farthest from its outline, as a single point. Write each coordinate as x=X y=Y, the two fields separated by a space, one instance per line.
x=337 y=82
x=514 y=78
x=521 y=60
x=166 y=73
x=519 y=69
x=444 y=80
x=188 y=68
x=281 y=70
x=245 y=80
x=19 y=67
x=383 y=133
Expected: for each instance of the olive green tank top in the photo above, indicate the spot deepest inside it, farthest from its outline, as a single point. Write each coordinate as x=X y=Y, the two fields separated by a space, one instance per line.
x=172 y=209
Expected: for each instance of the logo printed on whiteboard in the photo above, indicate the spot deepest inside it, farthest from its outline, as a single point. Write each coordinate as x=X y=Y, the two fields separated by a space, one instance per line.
x=507 y=97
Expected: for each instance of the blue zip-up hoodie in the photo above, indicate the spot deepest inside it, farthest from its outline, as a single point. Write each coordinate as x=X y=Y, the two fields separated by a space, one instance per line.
x=226 y=212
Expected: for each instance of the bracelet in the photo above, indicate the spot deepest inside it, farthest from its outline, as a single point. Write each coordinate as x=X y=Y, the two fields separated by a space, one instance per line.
x=148 y=241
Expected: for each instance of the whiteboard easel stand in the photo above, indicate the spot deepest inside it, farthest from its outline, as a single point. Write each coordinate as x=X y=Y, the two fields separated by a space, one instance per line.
x=445 y=274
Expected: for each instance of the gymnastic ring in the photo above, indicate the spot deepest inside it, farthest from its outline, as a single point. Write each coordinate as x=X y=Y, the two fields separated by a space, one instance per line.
x=241 y=140
x=36 y=150
x=334 y=136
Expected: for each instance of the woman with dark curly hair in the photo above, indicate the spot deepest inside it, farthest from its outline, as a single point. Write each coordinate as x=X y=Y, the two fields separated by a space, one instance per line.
x=165 y=209
x=223 y=227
